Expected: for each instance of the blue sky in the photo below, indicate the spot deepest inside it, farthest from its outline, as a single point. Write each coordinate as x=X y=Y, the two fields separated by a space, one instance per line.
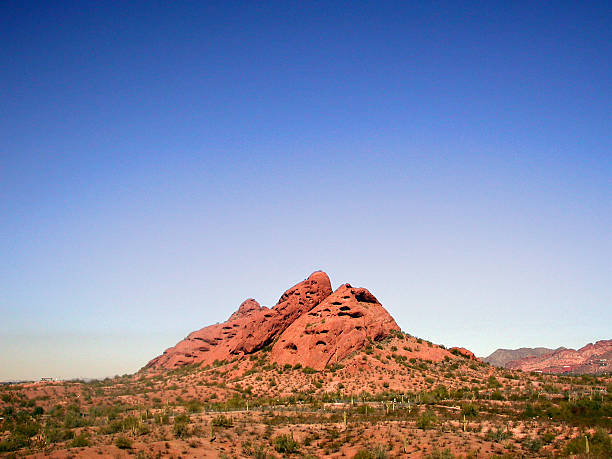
x=161 y=162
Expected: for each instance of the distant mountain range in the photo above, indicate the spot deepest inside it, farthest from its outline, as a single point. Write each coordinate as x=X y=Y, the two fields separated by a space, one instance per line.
x=592 y=358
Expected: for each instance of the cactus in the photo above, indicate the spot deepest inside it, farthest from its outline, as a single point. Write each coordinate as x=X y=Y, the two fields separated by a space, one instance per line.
x=587 y=449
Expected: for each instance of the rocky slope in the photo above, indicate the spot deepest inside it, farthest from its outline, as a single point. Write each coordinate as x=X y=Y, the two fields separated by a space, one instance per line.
x=310 y=325
x=501 y=357
x=592 y=358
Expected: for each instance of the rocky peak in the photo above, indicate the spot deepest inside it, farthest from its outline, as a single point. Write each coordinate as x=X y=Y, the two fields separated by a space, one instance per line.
x=245 y=308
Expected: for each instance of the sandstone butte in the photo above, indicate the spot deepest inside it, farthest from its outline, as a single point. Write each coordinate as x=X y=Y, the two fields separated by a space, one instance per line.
x=310 y=325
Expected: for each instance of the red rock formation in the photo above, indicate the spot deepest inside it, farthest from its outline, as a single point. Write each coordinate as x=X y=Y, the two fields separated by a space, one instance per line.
x=464 y=353
x=247 y=330
x=341 y=324
x=247 y=307
x=592 y=358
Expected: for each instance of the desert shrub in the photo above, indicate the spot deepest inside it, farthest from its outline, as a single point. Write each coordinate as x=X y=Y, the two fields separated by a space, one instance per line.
x=80 y=441
x=440 y=392
x=180 y=427
x=600 y=444
x=376 y=453
x=426 y=420
x=548 y=437
x=123 y=443
x=441 y=454
x=13 y=443
x=493 y=382
x=193 y=406
x=469 y=410
x=308 y=370
x=335 y=367
x=532 y=444
x=55 y=435
x=222 y=421
x=530 y=411
x=113 y=427
x=286 y=444
x=497 y=435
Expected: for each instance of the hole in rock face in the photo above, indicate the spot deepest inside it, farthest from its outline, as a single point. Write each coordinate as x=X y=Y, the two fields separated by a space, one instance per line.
x=321 y=343
x=354 y=315
x=291 y=346
x=336 y=303
x=323 y=331
x=365 y=297
x=345 y=308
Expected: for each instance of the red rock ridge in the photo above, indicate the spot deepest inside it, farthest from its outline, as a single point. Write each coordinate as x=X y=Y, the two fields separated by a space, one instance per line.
x=247 y=330
x=592 y=358
x=464 y=353
x=341 y=324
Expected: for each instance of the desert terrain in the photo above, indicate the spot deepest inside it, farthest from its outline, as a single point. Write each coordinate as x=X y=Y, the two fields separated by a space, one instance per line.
x=321 y=374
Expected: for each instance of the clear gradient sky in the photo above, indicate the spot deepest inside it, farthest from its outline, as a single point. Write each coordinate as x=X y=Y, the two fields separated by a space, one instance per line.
x=162 y=161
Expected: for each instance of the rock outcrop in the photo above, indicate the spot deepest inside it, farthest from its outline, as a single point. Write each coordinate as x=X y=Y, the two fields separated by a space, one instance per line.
x=249 y=329
x=346 y=321
x=463 y=352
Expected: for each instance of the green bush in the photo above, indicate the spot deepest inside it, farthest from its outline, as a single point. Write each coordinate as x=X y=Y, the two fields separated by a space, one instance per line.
x=180 y=428
x=469 y=410
x=193 y=406
x=13 y=443
x=498 y=435
x=376 y=453
x=55 y=435
x=532 y=444
x=80 y=441
x=286 y=444
x=222 y=421
x=600 y=445
x=441 y=454
x=123 y=443
x=426 y=420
